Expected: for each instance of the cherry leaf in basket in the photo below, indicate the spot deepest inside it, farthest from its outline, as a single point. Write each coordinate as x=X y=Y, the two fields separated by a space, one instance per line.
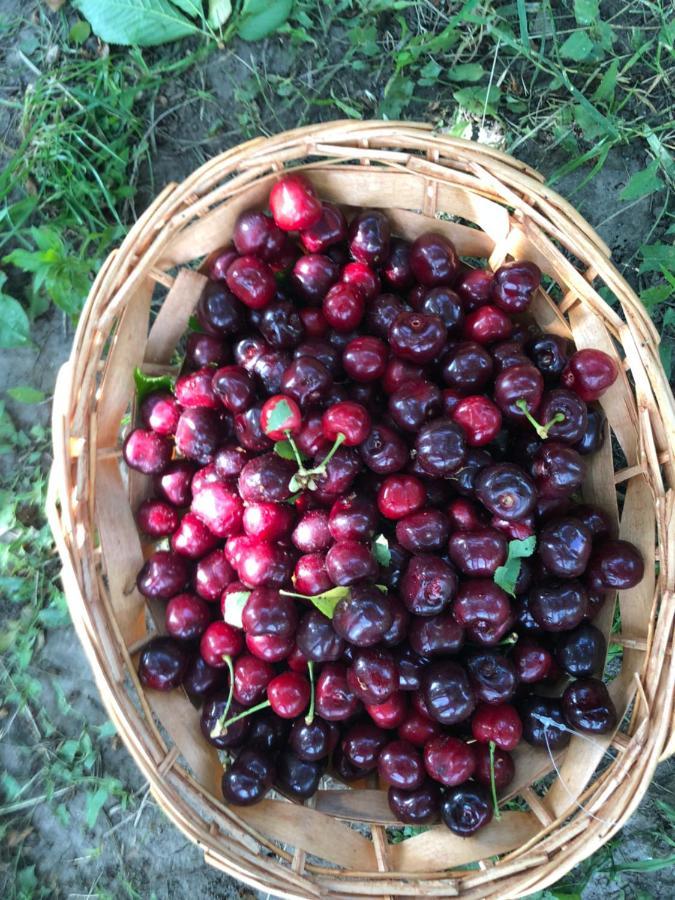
x=148 y=384
x=234 y=607
x=381 y=551
x=506 y=576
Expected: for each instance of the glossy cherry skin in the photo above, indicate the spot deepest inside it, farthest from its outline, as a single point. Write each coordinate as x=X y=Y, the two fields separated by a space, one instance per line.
x=439 y=635
x=413 y=403
x=369 y=236
x=363 y=278
x=344 y=307
x=418 y=728
x=363 y=617
x=433 y=260
x=269 y=368
x=362 y=744
x=573 y=426
x=163 y=664
x=478 y=553
x=219 y=312
x=543 y=722
x=316 y=638
x=423 y=531
x=294 y=204
x=265 y=479
x=220 y=508
x=486 y=325
x=499 y=723
x=558 y=469
x=475 y=288
x=194 y=389
x=400 y=495
x=251 y=677
x=312 y=277
x=269 y=612
x=352 y=518
x=335 y=700
x=269 y=647
x=220 y=640
x=199 y=433
x=396 y=270
x=444 y=303
x=373 y=676
x=268 y=521
x=365 y=359
x=311 y=440
x=201 y=679
x=493 y=677
x=146 y=451
x=549 y=353
x=588 y=707
x=281 y=325
x=391 y=713
x=581 y=652
x=615 y=565
x=329 y=229
x=310 y=742
x=428 y=586
x=564 y=547
x=348 y=562
x=307 y=381
x=256 y=234
x=398 y=372
x=595 y=519
x=514 y=284
x=313 y=322
x=449 y=760
x=213 y=709
x=515 y=384
x=467 y=809
x=467 y=367
x=390 y=578
x=447 y=692
x=417 y=337
x=400 y=765
x=418 y=807
x=288 y=694
x=351 y=420
x=340 y=474
x=593 y=437
x=160 y=412
x=311 y=533
x=186 y=617
x=230 y=459
x=440 y=447
x=251 y=281
x=156 y=518
x=502 y=765
x=463 y=480
x=506 y=491
x=265 y=564
x=479 y=419
x=249 y=777
x=483 y=608
x=163 y=575
x=589 y=373
x=297 y=778
x=532 y=660
x=381 y=313
x=558 y=605
x=465 y=515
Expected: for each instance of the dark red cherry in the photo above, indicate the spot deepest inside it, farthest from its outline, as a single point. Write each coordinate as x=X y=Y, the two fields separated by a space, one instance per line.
x=391 y=577
x=147 y=451
x=270 y=367
x=478 y=553
x=400 y=495
x=497 y=723
x=267 y=731
x=363 y=617
x=307 y=381
x=595 y=519
x=483 y=608
x=349 y=420
x=463 y=480
x=266 y=478
x=398 y=372
x=248 y=778
x=363 y=278
x=219 y=641
x=447 y=692
x=549 y=353
x=328 y=230
x=506 y=491
x=558 y=605
x=201 y=679
x=220 y=263
x=218 y=311
x=593 y=437
x=479 y=418
x=435 y=635
x=187 y=616
x=205 y=350
x=294 y=204
x=440 y=447
x=514 y=285
x=589 y=373
x=543 y=722
x=564 y=547
x=313 y=275
x=335 y=701
x=417 y=337
x=486 y=325
x=160 y=412
x=507 y=354
x=248 y=351
x=313 y=322
x=558 y=469
x=588 y=706
x=465 y=515
x=582 y=651
x=475 y=288
x=423 y=531
x=532 y=660
x=156 y=518
x=365 y=359
x=343 y=769
x=396 y=271
x=311 y=440
x=316 y=638
x=500 y=767
x=344 y=307
x=400 y=765
x=281 y=325
x=418 y=807
x=564 y=415
x=518 y=386
x=265 y=564
x=418 y=729
x=199 y=433
x=288 y=694
x=251 y=677
x=449 y=760
x=615 y=565
x=414 y=403
x=270 y=647
x=447 y=305
x=340 y=474
x=493 y=677
x=269 y=612
x=297 y=778
x=312 y=741
x=467 y=809
x=268 y=521
x=255 y=234
x=362 y=744
x=348 y=562
x=373 y=676
x=311 y=533
x=163 y=664
x=369 y=236
x=174 y=483
x=428 y=586
x=382 y=311
x=352 y=518
x=467 y=367
x=251 y=281
x=163 y=575
x=433 y=260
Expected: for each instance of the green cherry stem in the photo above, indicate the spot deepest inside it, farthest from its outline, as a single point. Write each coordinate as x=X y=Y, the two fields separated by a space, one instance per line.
x=493 y=784
x=321 y=468
x=242 y=715
x=219 y=727
x=294 y=448
x=309 y=718
x=542 y=430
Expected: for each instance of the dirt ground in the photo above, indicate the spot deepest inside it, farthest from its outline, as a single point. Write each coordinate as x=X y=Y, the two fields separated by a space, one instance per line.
x=134 y=852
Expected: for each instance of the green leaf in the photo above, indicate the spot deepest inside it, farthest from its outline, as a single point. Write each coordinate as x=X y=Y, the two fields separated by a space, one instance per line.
x=80 y=32
x=506 y=576
x=577 y=47
x=586 y=12
x=148 y=384
x=381 y=551
x=195 y=325
x=285 y=451
x=324 y=602
x=234 y=607
x=279 y=417
x=219 y=12
x=26 y=394
x=144 y=23
x=646 y=865
x=643 y=183
x=479 y=100
x=261 y=17
x=656 y=257
x=605 y=90
x=14 y=324
x=652 y=296
x=94 y=805
x=191 y=7
x=466 y=72
x=397 y=95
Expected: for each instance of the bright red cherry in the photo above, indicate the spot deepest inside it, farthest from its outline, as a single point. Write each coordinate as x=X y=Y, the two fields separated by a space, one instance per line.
x=589 y=373
x=193 y=538
x=351 y=420
x=329 y=229
x=157 y=518
x=160 y=413
x=486 y=325
x=147 y=452
x=400 y=495
x=449 y=760
x=219 y=641
x=479 y=418
x=514 y=284
x=268 y=521
x=280 y=417
x=220 y=508
x=288 y=694
x=294 y=203
x=499 y=723
x=343 y=307
x=252 y=281
x=360 y=276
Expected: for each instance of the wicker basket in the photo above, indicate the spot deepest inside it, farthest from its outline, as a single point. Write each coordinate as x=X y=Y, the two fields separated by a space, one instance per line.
x=492 y=207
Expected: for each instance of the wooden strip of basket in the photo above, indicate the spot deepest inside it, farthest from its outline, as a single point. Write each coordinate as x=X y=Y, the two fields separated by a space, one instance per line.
x=493 y=207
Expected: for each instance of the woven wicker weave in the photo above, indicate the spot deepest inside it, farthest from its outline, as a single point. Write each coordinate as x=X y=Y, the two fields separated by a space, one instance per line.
x=492 y=207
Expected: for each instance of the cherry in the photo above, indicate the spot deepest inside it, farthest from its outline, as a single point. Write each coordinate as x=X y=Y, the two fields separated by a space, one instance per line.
x=493 y=677
x=316 y=638
x=435 y=635
x=163 y=575
x=594 y=436
x=433 y=260
x=349 y=562
x=312 y=277
x=187 y=616
x=298 y=778
x=363 y=617
x=615 y=565
x=160 y=412
x=507 y=354
x=363 y=743
x=220 y=508
x=423 y=531
x=156 y=518
x=532 y=660
x=294 y=204
x=311 y=533
x=147 y=451
x=564 y=547
x=329 y=229
x=400 y=495
x=248 y=351
x=400 y=765
x=463 y=480
x=479 y=419
x=281 y=326
x=346 y=422
x=486 y=325
x=391 y=713
x=269 y=368
x=267 y=731
x=581 y=652
x=543 y=722
x=506 y=491
x=398 y=372
x=365 y=359
x=234 y=548
x=255 y=234
x=369 y=236
x=219 y=312
x=199 y=433
x=516 y=387
x=266 y=479
x=335 y=701
x=205 y=477
x=373 y=676
x=251 y=677
x=447 y=692
x=339 y=475
x=478 y=553
x=465 y=515
x=251 y=281
x=410 y=668
x=418 y=729
x=417 y=337
x=467 y=366
x=595 y=519
x=483 y=608
x=352 y=519
x=413 y=403
x=162 y=664
x=264 y=564
x=514 y=284
x=313 y=322
x=589 y=373
x=220 y=263
x=269 y=647
x=391 y=577
x=549 y=353
x=440 y=447
x=219 y=641
x=249 y=777
x=268 y=521
x=444 y=303
x=418 y=807
x=216 y=706
x=500 y=767
x=343 y=769
x=201 y=679
x=449 y=760
x=311 y=742
x=363 y=278
x=588 y=706
x=558 y=605
x=499 y=723
x=288 y=694
x=396 y=270
x=280 y=417
x=466 y=809
x=344 y=307
x=475 y=288
x=564 y=414
x=307 y=381
x=558 y=469
x=382 y=311
x=194 y=389
x=269 y=612
x=428 y=585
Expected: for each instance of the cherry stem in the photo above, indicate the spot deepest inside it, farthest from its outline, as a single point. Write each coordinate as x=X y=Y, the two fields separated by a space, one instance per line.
x=309 y=718
x=321 y=468
x=493 y=784
x=542 y=430
x=242 y=715
x=294 y=448
x=293 y=594
x=219 y=727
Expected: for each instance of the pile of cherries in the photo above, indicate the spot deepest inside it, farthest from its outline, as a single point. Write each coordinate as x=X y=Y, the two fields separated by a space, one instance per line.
x=366 y=444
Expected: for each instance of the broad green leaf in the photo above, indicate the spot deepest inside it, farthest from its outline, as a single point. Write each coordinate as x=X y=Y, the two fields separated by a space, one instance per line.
x=14 y=324
x=397 y=95
x=652 y=296
x=605 y=90
x=479 y=100
x=26 y=394
x=324 y=602
x=577 y=47
x=261 y=17
x=586 y=11
x=144 y=23
x=95 y=803
x=506 y=576
x=234 y=607
x=656 y=257
x=381 y=550
x=191 y=7
x=643 y=183
x=147 y=384
x=79 y=32
x=279 y=416
x=430 y=72
x=219 y=12
x=466 y=72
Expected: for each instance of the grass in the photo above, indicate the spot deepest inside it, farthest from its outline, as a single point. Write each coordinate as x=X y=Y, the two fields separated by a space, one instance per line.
x=580 y=88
